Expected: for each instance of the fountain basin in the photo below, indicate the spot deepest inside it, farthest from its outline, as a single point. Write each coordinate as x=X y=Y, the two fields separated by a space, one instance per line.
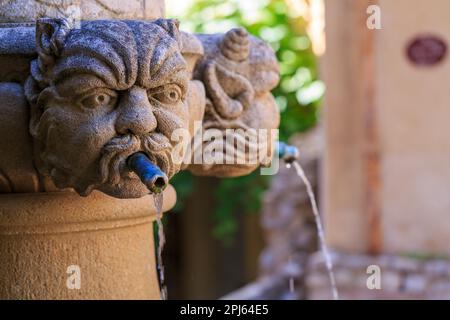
x=111 y=241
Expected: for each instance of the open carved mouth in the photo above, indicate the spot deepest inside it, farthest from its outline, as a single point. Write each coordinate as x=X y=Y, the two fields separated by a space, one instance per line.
x=113 y=163
x=126 y=173
x=148 y=172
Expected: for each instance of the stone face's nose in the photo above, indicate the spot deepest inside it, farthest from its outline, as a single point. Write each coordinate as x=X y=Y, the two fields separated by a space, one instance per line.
x=136 y=114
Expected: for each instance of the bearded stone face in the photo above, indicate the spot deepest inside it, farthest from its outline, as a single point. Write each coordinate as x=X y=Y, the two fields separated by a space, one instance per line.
x=109 y=89
x=102 y=93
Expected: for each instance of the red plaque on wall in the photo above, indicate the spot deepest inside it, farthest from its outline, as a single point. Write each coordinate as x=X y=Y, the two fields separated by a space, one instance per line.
x=426 y=50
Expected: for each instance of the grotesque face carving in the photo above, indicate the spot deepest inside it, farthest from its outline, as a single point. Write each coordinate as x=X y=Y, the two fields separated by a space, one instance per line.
x=238 y=71
x=101 y=93
x=109 y=89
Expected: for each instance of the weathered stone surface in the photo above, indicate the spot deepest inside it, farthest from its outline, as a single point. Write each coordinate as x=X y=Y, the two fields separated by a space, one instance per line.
x=238 y=71
x=405 y=264
x=103 y=90
x=400 y=277
x=17 y=172
x=439 y=291
x=111 y=240
x=12 y=11
x=437 y=268
x=391 y=280
x=415 y=283
x=106 y=91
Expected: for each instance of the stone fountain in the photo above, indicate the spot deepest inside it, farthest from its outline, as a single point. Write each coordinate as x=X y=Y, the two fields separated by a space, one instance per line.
x=79 y=99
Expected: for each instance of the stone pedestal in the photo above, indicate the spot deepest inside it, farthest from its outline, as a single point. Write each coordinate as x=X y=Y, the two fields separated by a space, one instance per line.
x=45 y=237
x=50 y=242
x=77 y=100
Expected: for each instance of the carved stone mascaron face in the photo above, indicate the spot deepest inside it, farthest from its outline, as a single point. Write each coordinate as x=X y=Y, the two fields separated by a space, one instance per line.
x=106 y=90
x=102 y=93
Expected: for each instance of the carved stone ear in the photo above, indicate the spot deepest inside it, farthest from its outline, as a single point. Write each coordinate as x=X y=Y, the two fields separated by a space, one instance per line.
x=50 y=36
x=171 y=26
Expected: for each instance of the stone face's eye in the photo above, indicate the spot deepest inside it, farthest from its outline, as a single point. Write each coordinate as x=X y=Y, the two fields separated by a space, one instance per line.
x=98 y=99
x=169 y=94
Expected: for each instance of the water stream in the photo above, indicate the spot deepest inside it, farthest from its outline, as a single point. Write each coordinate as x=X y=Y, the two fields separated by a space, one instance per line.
x=319 y=226
x=158 y=199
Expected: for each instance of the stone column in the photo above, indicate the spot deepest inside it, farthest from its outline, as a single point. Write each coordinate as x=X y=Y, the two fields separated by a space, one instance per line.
x=76 y=101
x=48 y=238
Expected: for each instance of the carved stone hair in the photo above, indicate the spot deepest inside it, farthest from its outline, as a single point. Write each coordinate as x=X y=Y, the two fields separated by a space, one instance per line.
x=118 y=52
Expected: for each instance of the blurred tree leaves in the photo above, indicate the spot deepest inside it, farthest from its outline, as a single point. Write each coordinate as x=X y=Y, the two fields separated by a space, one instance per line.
x=298 y=93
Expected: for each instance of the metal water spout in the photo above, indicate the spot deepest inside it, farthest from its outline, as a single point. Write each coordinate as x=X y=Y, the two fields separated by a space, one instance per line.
x=290 y=154
x=150 y=174
x=287 y=152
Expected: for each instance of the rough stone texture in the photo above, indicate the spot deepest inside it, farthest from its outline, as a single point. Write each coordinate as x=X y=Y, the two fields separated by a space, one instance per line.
x=78 y=96
x=275 y=286
x=107 y=89
x=12 y=11
x=117 y=88
x=111 y=240
x=401 y=277
x=17 y=173
x=238 y=71
x=42 y=234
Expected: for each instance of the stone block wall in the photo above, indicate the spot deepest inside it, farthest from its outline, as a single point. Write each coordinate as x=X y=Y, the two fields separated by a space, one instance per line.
x=400 y=277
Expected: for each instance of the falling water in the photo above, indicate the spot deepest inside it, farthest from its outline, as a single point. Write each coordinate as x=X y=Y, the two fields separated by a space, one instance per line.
x=320 y=232
x=158 y=199
x=291 y=280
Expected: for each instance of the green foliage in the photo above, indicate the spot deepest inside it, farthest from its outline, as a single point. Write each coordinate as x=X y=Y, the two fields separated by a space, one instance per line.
x=183 y=183
x=425 y=256
x=297 y=95
x=241 y=194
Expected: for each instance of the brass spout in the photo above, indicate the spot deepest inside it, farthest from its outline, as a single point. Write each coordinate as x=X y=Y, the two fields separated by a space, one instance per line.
x=150 y=174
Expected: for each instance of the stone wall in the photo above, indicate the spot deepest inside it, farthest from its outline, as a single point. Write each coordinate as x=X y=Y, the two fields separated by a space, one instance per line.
x=386 y=167
x=400 y=277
